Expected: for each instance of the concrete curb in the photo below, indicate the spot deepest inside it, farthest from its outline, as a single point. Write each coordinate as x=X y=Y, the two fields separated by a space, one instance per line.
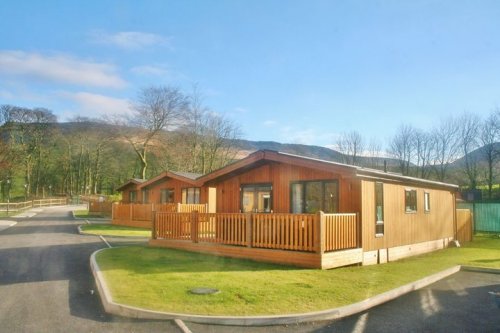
x=81 y=232
x=336 y=313
x=6 y=224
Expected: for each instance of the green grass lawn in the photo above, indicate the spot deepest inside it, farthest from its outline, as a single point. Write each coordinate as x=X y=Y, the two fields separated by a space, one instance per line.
x=115 y=230
x=160 y=279
x=84 y=214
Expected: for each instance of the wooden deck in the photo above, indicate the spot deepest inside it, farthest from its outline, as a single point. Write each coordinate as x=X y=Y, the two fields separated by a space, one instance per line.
x=307 y=240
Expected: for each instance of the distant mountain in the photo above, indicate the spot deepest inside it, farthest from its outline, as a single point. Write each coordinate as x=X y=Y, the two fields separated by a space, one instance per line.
x=323 y=153
x=478 y=155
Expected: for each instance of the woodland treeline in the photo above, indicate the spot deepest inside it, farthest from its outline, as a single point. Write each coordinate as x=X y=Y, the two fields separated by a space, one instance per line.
x=462 y=149
x=165 y=129
x=168 y=129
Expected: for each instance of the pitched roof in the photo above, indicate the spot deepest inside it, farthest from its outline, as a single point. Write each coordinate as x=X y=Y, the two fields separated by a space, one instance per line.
x=132 y=181
x=187 y=177
x=261 y=156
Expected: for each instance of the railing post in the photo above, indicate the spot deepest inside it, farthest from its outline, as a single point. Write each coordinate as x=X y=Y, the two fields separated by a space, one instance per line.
x=153 y=227
x=358 y=231
x=249 y=222
x=131 y=212
x=319 y=233
x=195 y=218
x=178 y=207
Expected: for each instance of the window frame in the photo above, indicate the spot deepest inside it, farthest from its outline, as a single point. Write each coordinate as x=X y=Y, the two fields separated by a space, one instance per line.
x=303 y=194
x=145 y=196
x=411 y=202
x=427 y=202
x=379 y=224
x=185 y=197
x=167 y=190
x=255 y=186
x=132 y=196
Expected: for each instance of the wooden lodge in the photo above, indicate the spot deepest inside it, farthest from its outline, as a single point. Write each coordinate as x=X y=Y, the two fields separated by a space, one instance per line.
x=285 y=208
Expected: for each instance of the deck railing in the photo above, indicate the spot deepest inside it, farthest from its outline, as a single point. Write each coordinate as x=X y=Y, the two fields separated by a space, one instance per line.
x=298 y=232
x=340 y=231
x=141 y=215
x=284 y=231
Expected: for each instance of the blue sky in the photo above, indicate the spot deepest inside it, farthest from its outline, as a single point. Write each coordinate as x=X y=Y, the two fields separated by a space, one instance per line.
x=287 y=71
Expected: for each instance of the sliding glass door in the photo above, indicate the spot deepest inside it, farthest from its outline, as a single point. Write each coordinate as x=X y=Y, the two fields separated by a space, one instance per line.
x=256 y=198
x=313 y=196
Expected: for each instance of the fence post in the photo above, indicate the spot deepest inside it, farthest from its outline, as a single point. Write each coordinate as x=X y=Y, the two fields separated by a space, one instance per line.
x=131 y=212
x=194 y=226
x=178 y=207
x=359 y=234
x=319 y=232
x=153 y=227
x=249 y=222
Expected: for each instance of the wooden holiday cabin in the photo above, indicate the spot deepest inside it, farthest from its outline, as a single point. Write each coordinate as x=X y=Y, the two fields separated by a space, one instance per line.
x=130 y=193
x=286 y=208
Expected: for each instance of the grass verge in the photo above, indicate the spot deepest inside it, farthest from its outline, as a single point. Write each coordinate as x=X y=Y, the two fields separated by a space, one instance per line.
x=115 y=230
x=160 y=279
x=84 y=214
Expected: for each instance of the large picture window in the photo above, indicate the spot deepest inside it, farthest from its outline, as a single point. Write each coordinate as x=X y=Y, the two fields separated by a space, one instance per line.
x=167 y=195
x=410 y=201
x=256 y=198
x=191 y=195
x=313 y=196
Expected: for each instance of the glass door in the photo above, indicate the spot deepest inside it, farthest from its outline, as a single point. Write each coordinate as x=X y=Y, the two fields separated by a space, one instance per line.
x=256 y=198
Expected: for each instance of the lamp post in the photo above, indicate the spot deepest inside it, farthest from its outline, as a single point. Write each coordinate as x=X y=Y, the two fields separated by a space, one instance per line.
x=25 y=192
x=50 y=190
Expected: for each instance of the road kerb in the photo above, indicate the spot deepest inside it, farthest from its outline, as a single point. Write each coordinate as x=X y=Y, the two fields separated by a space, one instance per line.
x=335 y=313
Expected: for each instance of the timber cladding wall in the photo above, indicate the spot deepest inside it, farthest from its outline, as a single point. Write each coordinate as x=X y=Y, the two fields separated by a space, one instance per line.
x=173 y=184
x=280 y=175
x=401 y=228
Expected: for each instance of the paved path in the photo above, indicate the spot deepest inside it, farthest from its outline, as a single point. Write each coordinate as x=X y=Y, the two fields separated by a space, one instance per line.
x=46 y=284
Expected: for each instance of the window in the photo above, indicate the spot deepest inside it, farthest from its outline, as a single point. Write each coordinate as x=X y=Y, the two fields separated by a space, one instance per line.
x=167 y=195
x=133 y=196
x=379 y=209
x=410 y=201
x=256 y=198
x=191 y=195
x=313 y=196
x=427 y=202
x=145 y=196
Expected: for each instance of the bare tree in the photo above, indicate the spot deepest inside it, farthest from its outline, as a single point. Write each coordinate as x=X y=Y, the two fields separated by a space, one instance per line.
x=424 y=147
x=490 y=135
x=446 y=146
x=374 y=151
x=351 y=145
x=156 y=109
x=402 y=147
x=468 y=130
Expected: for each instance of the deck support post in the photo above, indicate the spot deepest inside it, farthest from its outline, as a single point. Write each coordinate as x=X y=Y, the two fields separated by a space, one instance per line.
x=153 y=226
x=319 y=232
x=195 y=219
x=249 y=228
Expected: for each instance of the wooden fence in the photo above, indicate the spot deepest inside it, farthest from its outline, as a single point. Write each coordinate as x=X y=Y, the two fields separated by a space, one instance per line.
x=298 y=232
x=464 y=225
x=18 y=206
x=141 y=215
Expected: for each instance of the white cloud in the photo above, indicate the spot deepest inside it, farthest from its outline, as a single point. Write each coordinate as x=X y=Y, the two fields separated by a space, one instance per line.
x=94 y=105
x=131 y=40
x=150 y=70
x=59 y=68
x=306 y=136
x=240 y=110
